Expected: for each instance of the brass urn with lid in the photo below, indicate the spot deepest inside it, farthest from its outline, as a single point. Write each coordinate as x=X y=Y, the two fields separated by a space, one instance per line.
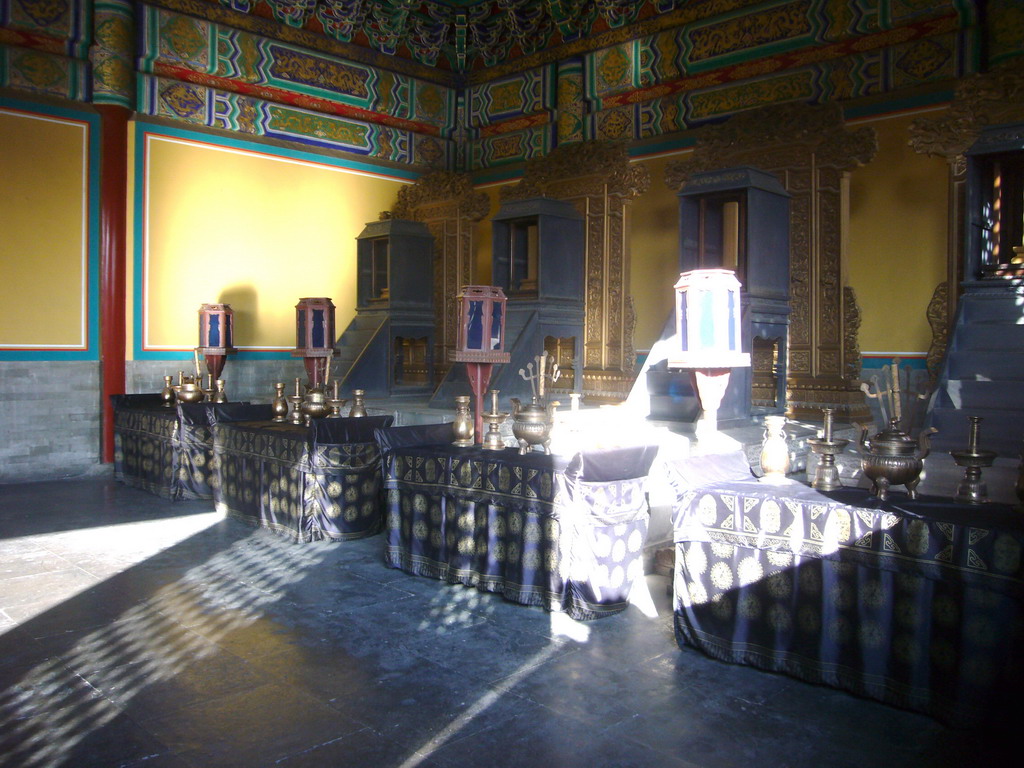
x=532 y=424
x=892 y=457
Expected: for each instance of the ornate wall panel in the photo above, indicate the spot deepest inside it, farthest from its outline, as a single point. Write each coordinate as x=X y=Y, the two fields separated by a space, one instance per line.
x=810 y=151
x=52 y=26
x=47 y=74
x=719 y=41
x=570 y=102
x=1005 y=30
x=113 y=65
x=513 y=97
x=598 y=179
x=514 y=147
x=448 y=205
x=700 y=99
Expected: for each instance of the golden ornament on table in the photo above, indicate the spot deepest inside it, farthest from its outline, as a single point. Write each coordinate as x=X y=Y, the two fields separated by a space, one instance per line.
x=493 y=441
x=531 y=424
x=358 y=409
x=279 y=405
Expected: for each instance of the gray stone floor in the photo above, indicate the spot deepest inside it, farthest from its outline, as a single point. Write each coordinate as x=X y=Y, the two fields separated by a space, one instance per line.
x=135 y=631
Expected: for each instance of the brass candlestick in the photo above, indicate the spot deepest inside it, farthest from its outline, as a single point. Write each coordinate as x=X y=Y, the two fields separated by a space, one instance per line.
x=358 y=406
x=335 y=402
x=298 y=417
x=492 y=439
x=219 y=395
x=971 y=489
x=167 y=393
x=826 y=476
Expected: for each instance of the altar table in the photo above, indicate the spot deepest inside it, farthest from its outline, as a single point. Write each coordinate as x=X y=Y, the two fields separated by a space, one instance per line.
x=308 y=483
x=914 y=603
x=168 y=451
x=563 y=533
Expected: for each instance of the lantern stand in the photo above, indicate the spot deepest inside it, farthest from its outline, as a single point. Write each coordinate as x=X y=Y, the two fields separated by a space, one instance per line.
x=216 y=337
x=708 y=331
x=481 y=341
x=314 y=338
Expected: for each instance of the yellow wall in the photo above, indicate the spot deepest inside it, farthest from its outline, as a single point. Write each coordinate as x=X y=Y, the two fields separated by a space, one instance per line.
x=44 y=225
x=254 y=230
x=897 y=244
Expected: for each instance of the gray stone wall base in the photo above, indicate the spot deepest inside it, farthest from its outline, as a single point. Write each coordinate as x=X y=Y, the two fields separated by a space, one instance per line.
x=49 y=420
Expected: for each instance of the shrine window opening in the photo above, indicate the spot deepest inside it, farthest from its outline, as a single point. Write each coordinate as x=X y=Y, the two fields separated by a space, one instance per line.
x=524 y=248
x=379 y=269
x=722 y=242
x=1002 y=221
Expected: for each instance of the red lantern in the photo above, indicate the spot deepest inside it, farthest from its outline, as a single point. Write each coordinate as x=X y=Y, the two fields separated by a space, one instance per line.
x=481 y=341
x=314 y=337
x=216 y=336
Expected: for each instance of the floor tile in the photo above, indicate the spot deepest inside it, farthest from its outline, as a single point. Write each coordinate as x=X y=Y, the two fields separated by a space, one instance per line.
x=359 y=750
x=250 y=728
x=523 y=734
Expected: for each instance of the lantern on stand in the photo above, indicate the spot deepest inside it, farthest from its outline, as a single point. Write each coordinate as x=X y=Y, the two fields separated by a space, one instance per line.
x=710 y=340
x=481 y=340
x=314 y=338
x=216 y=336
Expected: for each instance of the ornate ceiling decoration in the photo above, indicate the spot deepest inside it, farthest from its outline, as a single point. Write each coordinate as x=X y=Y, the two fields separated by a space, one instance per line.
x=457 y=35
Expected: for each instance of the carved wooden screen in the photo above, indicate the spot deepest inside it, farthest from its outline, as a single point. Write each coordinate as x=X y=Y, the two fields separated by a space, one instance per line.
x=448 y=205
x=599 y=180
x=810 y=151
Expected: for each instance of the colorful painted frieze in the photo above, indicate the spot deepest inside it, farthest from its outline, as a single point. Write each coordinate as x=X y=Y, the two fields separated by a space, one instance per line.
x=198 y=104
x=56 y=26
x=875 y=72
x=524 y=94
x=571 y=107
x=113 y=67
x=192 y=49
x=754 y=42
x=736 y=37
x=507 y=148
x=1005 y=30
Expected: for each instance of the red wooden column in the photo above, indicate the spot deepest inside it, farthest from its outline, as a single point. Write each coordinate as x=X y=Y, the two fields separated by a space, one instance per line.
x=112 y=57
x=113 y=259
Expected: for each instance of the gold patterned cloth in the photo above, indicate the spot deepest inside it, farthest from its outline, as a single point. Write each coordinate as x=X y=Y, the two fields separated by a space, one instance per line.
x=168 y=451
x=310 y=483
x=915 y=603
x=144 y=436
x=194 y=442
x=531 y=527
